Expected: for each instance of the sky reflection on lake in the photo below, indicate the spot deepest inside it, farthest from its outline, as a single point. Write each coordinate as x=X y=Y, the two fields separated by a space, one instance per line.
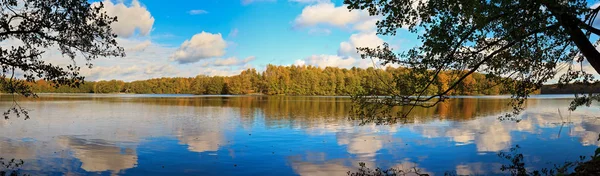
x=253 y=135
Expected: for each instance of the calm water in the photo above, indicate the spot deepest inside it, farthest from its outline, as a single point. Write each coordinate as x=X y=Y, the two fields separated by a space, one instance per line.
x=211 y=135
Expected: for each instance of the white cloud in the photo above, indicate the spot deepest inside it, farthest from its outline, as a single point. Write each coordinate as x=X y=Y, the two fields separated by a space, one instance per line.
x=563 y=68
x=109 y=72
x=131 y=72
x=201 y=46
x=368 y=39
x=160 y=69
x=367 y=25
x=318 y=31
x=197 y=12
x=327 y=61
x=327 y=13
x=140 y=47
x=595 y=5
x=219 y=72
x=248 y=59
x=347 y=55
x=300 y=62
x=130 y=19
x=232 y=61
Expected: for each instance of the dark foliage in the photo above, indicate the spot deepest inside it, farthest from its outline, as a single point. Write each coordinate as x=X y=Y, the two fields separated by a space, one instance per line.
x=526 y=41
x=29 y=28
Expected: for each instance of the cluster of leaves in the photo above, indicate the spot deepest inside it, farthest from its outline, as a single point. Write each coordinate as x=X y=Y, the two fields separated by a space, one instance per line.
x=521 y=43
x=516 y=167
x=72 y=26
x=581 y=167
x=365 y=171
x=29 y=28
x=283 y=80
x=10 y=167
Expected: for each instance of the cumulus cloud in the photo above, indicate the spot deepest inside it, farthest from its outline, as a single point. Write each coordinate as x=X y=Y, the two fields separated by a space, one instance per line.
x=197 y=12
x=347 y=55
x=201 y=46
x=327 y=13
x=130 y=18
x=368 y=39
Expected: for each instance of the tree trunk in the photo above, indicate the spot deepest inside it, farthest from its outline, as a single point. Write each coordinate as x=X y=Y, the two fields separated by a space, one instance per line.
x=571 y=25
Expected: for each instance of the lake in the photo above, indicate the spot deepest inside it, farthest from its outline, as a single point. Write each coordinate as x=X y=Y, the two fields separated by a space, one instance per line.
x=80 y=134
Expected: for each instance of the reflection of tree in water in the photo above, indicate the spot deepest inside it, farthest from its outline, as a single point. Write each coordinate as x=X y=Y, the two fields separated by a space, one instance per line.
x=310 y=109
x=100 y=155
x=583 y=166
x=201 y=127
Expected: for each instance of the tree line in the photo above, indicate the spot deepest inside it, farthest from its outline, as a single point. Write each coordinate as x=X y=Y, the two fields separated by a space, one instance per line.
x=283 y=80
x=579 y=88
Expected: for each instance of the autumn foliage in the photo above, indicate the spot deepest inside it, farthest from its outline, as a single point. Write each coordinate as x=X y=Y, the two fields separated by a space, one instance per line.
x=282 y=80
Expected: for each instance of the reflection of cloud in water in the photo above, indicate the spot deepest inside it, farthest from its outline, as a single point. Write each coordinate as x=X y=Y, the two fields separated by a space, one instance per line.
x=493 y=138
x=99 y=155
x=342 y=166
x=202 y=128
x=477 y=168
x=411 y=168
x=361 y=144
x=488 y=134
x=16 y=149
x=325 y=169
x=205 y=133
x=491 y=135
x=207 y=141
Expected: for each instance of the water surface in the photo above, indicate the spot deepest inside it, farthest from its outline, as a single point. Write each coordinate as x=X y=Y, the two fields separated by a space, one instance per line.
x=254 y=135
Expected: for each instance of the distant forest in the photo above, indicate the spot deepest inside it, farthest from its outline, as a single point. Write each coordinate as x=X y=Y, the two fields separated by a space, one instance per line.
x=280 y=80
x=572 y=88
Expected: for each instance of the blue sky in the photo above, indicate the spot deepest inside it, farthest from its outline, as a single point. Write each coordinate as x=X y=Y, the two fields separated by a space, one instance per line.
x=186 y=38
